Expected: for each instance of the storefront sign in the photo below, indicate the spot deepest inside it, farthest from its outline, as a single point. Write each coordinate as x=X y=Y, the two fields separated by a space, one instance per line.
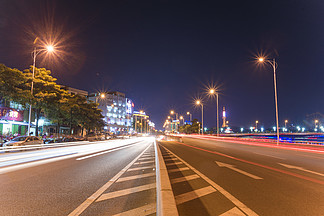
x=11 y=114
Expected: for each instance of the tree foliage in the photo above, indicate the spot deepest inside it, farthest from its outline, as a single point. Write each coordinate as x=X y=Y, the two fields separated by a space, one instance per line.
x=190 y=128
x=49 y=98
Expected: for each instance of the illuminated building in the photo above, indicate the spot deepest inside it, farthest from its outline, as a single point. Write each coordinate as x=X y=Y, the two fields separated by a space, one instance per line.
x=116 y=109
x=12 y=118
x=225 y=123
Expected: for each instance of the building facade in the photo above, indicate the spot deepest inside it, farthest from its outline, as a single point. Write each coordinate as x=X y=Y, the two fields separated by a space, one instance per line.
x=116 y=109
x=13 y=119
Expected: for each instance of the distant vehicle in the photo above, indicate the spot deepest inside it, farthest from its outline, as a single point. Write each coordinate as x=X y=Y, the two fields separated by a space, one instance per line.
x=24 y=140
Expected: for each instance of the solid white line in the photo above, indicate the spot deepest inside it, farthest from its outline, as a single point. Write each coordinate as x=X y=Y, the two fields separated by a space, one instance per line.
x=233 y=212
x=173 y=163
x=229 y=196
x=171 y=159
x=128 y=191
x=136 y=177
x=140 y=168
x=185 y=178
x=146 y=162
x=101 y=153
x=94 y=196
x=186 y=197
x=146 y=158
x=143 y=210
x=178 y=169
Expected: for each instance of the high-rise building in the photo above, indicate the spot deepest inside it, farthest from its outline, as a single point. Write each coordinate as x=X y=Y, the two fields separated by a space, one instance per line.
x=116 y=109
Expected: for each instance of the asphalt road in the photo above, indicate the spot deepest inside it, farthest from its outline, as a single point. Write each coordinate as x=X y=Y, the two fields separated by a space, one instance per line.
x=47 y=182
x=215 y=177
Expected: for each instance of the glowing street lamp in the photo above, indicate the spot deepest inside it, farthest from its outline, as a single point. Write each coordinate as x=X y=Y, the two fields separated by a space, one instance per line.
x=172 y=113
x=316 y=123
x=198 y=102
x=101 y=95
x=190 y=116
x=49 y=48
x=274 y=66
x=256 y=124
x=212 y=92
x=286 y=121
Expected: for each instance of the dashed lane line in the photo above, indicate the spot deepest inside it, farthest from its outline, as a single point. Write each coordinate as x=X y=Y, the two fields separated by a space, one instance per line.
x=136 y=177
x=141 y=211
x=171 y=159
x=185 y=197
x=146 y=162
x=128 y=191
x=173 y=163
x=101 y=190
x=178 y=169
x=229 y=196
x=140 y=168
x=184 y=178
x=145 y=159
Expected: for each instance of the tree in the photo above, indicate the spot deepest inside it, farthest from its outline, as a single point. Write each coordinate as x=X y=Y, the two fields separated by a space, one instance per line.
x=190 y=128
x=47 y=95
x=11 y=85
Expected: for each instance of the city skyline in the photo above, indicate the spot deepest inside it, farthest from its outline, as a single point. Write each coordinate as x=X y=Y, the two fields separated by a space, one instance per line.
x=163 y=54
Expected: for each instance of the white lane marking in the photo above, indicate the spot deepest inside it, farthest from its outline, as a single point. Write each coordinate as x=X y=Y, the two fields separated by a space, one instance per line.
x=128 y=191
x=186 y=197
x=301 y=168
x=143 y=210
x=184 y=178
x=146 y=158
x=229 y=196
x=94 y=196
x=173 y=163
x=140 y=168
x=270 y=156
x=171 y=159
x=178 y=169
x=145 y=162
x=101 y=153
x=233 y=212
x=136 y=177
x=232 y=167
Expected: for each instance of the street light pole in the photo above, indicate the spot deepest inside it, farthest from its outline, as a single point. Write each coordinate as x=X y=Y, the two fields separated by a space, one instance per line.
x=212 y=91
x=190 y=116
x=202 y=119
x=198 y=102
x=49 y=48
x=32 y=87
x=217 y=117
x=274 y=66
x=276 y=97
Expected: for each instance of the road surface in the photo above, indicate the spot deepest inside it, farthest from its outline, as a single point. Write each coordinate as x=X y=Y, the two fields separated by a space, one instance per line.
x=100 y=178
x=216 y=177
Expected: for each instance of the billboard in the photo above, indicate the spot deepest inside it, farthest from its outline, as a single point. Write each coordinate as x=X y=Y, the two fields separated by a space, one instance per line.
x=11 y=114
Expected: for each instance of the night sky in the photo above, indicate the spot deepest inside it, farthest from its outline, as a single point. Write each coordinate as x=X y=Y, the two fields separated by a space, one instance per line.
x=162 y=54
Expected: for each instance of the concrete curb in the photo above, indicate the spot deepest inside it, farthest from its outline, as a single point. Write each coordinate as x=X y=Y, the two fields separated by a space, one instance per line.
x=165 y=202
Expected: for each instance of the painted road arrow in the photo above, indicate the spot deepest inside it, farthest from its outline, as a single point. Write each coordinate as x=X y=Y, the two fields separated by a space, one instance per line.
x=301 y=168
x=220 y=164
